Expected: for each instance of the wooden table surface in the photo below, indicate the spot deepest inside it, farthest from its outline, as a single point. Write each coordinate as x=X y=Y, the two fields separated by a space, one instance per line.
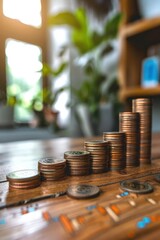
x=25 y=155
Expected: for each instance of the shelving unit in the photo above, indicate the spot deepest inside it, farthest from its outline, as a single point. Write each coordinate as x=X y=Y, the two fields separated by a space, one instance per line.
x=136 y=36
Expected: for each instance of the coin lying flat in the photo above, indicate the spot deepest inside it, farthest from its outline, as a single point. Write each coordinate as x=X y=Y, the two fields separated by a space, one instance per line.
x=136 y=186
x=83 y=191
x=50 y=160
x=27 y=174
x=76 y=153
x=157 y=177
x=24 y=179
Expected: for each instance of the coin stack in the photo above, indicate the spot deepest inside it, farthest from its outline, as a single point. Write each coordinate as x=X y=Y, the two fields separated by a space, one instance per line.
x=144 y=107
x=99 y=155
x=24 y=179
x=129 y=123
x=117 y=147
x=78 y=163
x=52 y=169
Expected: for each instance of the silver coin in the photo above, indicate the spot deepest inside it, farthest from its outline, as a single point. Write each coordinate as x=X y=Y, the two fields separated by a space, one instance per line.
x=82 y=191
x=49 y=160
x=136 y=186
x=23 y=174
x=157 y=177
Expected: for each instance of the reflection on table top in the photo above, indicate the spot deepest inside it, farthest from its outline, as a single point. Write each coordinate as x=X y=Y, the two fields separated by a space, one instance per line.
x=52 y=217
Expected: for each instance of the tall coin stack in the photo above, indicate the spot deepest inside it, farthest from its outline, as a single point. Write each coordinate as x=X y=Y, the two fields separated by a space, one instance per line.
x=144 y=107
x=99 y=155
x=52 y=169
x=129 y=123
x=117 y=146
x=78 y=163
x=24 y=179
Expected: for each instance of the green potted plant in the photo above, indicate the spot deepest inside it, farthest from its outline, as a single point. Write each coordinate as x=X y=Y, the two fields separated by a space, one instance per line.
x=7 y=104
x=43 y=103
x=92 y=46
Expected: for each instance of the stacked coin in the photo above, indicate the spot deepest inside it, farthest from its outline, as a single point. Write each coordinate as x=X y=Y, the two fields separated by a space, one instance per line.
x=78 y=163
x=129 y=123
x=99 y=155
x=24 y=179
x=144 y=107
x=117 y=147
x=52 y=169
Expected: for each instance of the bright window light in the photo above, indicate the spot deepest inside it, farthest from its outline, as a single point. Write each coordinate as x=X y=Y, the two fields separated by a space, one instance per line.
x=23 y=75
x=26 y=11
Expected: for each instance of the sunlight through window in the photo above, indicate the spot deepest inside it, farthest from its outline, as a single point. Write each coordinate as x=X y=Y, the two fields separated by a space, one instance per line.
x=26 y=11
x=23 y=75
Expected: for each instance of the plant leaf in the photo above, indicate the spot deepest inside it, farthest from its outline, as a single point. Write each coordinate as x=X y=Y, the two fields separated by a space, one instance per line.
x=106 y=50
x=82 y=38
x=64 y=18
x=112 y=25
x=47 y=70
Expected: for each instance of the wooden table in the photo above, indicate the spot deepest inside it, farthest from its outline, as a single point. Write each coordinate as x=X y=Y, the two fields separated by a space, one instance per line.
x=46 y=212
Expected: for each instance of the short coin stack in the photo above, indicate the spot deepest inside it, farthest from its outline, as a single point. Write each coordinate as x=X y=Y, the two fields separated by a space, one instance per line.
x=129 y=123
x=117 y=146
x=99 y=155
x=24 y=179
x=144 y=107
x=78 y=163
x=52 y=169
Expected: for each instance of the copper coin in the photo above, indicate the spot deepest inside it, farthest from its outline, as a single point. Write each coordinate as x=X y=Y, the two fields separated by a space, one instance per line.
x=83 y=191
x=23 y=175
x=136 y=186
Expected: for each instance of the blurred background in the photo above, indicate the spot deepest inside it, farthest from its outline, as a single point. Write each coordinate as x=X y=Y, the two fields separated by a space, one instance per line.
x=69 y=67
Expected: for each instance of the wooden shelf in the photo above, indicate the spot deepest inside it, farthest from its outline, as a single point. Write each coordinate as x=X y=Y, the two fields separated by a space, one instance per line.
x=140 y=26
x=139 y=92
x=137 y=36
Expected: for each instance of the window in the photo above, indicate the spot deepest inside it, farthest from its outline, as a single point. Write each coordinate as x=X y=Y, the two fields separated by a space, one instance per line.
x=26 y=11
x=23 y=63
x=23 y=48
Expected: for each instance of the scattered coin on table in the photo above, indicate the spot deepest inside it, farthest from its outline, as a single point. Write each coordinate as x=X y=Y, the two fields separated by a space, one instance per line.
x=136 y=186
x=83 y=191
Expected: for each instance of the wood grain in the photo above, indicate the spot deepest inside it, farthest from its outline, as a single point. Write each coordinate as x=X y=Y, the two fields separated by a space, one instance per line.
x=104 y=217
x=136 y=35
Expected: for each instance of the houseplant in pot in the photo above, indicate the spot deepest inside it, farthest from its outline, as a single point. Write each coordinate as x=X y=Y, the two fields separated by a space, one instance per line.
x=43 y=103
x=6 y=110
x=91 y=47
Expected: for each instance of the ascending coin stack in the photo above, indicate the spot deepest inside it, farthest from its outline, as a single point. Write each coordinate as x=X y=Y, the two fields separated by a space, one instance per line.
x=24 y=179
x=117 y=151
x=129 y=123
x=78 y=163
x=52 y=169
x=99 y=155
x=144 y=107
x=117 y=143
